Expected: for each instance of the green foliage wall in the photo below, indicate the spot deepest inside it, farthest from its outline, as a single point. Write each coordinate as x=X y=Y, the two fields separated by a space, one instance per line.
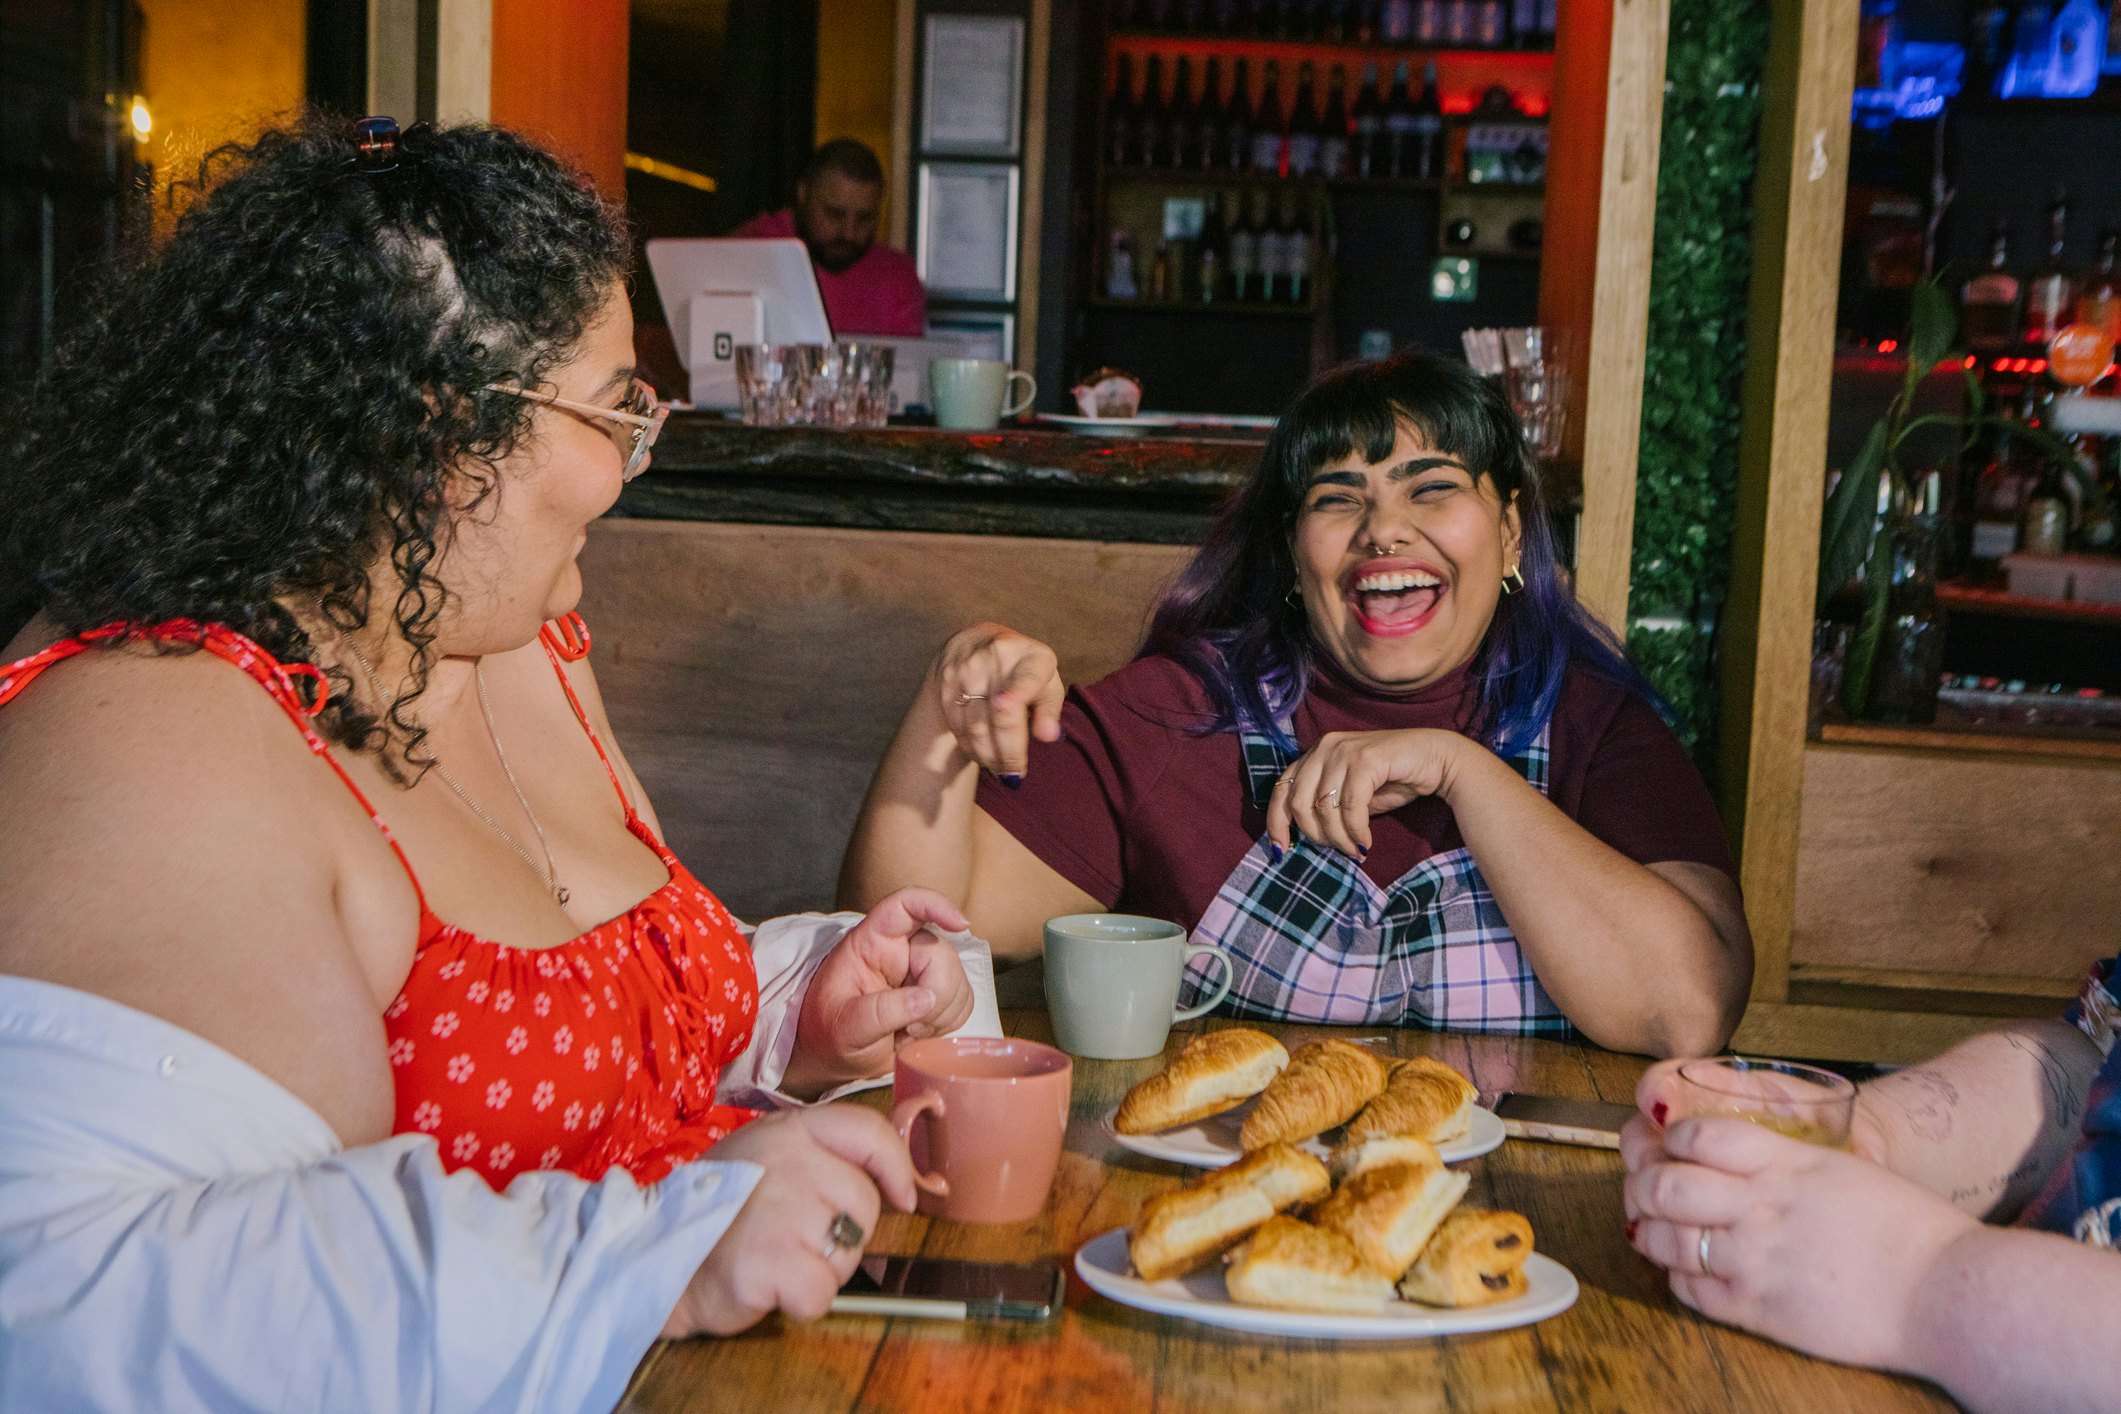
x=1686 y=491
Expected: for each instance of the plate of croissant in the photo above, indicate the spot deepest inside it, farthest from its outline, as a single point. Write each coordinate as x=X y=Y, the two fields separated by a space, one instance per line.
x=1232 y=1092
x=1272 y=1244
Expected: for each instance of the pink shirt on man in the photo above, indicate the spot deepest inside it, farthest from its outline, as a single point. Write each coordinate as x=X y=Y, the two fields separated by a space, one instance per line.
x=879 y=294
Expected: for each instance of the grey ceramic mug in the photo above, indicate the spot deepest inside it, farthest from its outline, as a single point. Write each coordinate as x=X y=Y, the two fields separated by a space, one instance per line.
x=1112 y=983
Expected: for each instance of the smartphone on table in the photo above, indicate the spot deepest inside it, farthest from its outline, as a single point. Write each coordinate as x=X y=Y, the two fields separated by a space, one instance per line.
x=943 y=1288
x=1592 y=1123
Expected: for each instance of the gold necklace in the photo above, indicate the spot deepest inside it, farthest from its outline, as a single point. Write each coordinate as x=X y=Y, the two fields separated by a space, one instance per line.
x=549 y=875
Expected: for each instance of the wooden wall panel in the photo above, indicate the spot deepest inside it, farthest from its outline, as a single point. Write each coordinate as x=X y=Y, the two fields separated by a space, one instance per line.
x=559 y=76
x=1960 y=865
x=755 y=673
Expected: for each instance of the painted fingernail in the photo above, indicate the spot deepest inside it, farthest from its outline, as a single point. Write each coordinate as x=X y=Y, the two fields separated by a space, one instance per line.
x=1014 y=780
x=1658 y=1111
x=1274 y=852
x=1633 y=1223
x=1363 y=850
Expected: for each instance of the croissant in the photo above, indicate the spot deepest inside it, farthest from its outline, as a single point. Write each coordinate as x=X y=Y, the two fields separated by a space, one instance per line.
x=1389 y=1213
x=1188 y=1227
x=1476 y=1258
x=1424 y=1098
x=1352 y=1157
x=1215 y=1072
x=1324 y=1084
x=1297 y=1267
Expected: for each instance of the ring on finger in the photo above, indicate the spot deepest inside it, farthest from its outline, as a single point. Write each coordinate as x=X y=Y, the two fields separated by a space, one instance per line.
x=966 y=698
x=1281 y=783
x=1330 y=796
x=1701 y=1251
x=844 y=1232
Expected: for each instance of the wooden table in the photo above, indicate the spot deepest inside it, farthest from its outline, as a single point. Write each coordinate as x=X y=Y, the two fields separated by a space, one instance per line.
x=1625 y=1345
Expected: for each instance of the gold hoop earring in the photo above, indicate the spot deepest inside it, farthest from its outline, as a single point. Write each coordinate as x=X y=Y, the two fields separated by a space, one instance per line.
x=1513 y=582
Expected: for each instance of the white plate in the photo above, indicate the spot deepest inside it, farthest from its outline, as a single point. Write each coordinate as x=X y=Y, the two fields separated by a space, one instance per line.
x=1140 y=422
x=1212 y=1142
x=1102 y=1263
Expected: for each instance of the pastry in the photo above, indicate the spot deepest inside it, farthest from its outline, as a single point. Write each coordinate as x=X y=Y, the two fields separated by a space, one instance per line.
x=1215 y=1072
x=1295 y=1266
x=1359 y=1156
x=1422 y=1097
x=1389 y=1213
x=1476 y=1258
x=1189 y=1227
x=1324 y=1084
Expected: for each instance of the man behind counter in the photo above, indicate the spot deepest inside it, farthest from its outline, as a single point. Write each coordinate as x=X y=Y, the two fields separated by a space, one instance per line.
x=868 y=288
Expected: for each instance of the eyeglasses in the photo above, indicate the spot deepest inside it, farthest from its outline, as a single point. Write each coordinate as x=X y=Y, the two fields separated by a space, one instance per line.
x=635 y=423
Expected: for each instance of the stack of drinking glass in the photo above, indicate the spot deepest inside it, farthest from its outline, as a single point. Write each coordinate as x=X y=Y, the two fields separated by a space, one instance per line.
x=1533 y=370
x=814 y=385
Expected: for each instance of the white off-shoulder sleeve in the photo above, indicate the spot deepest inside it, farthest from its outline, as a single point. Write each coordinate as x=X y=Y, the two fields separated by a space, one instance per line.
x=178 y=1232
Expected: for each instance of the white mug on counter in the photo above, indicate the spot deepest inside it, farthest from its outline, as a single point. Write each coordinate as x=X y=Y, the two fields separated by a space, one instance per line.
x=971 y=394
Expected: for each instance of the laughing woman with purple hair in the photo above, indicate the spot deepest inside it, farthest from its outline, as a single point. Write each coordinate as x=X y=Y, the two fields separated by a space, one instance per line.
x=1373 y=747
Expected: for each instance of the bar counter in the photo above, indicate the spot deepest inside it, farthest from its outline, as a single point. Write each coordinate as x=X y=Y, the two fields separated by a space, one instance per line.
x=1025 y=481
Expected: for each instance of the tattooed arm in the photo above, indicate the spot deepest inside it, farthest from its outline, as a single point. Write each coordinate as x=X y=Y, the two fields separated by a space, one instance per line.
x=1987 y=1122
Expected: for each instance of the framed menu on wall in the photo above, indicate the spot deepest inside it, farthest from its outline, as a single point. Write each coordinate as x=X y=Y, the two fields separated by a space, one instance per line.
x=972 y=86
x=968 y=230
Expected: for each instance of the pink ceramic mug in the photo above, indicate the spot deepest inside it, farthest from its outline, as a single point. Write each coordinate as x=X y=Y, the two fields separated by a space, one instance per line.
x=984 y=1119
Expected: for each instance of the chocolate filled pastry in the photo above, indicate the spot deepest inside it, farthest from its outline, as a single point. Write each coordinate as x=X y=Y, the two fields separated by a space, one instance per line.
x=1476 y=1258
x=1215 y=1072
x=1422 y=1097
x=1295 y=1266
x=1389 y=1213
x=1189 y=1227
x=1325 y=1084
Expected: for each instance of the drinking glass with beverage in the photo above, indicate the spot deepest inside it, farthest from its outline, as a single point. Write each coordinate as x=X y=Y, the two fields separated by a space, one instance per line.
x=1801 y=1101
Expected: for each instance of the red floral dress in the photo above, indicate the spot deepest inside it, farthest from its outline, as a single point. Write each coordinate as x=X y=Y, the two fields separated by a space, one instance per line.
x=604 y=1050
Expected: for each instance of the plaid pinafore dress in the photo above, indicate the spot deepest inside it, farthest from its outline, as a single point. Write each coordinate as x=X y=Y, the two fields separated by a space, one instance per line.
x=1316 y=939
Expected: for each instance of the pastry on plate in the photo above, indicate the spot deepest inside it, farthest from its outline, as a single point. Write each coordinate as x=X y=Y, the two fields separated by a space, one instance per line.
x=1295 y=1266
x=1356 y=1156
x=1215 y=1072
x=1424 y=1098
x=1325 y=1084
x=1185 y=1229
x=1476 y=1258
x=1389 y=1213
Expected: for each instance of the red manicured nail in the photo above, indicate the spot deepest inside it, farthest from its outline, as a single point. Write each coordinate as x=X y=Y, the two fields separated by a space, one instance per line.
x=1633 y=1223
x=1658 y=1111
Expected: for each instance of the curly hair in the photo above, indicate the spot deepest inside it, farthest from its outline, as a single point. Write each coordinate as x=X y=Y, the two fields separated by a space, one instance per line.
x=281 y=393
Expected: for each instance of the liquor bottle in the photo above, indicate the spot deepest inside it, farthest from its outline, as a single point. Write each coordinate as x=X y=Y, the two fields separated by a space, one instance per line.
x=1988 y=306
x=1296 y=248
x=1399 y=125
x=1428 y=22
x=1120 y=282
x=1214 y=253
x=1270 y=255
x=1182 y=118
x=1999 y=504
x=1367 y=128
x=1303 y=135
x=1151 y=117
x=1244 y=254
x=1205 y=150
x=2100 y=305
x=1524 y=24
x=2045 y=529
x=1336 y=21
x=2051 y=290
x=1549 y=22
x=1987 y=42
x=1270 y=128
x=1119 y=113
x=1334 y=129
x=1160 y=273
x=1395 y=23
x=1237 y=123
x=1458 y=23
x=1429 y=155
x=1369 y=20
x=1490 y=23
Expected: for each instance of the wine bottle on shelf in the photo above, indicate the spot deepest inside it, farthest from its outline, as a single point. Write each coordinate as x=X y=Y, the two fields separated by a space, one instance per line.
x=1368 y=18
x=1270 y=127
x=1244 y=252
x=1988 y=306
x=1237 y=123
x=2100 y=304
x=1549 y=21
x=1428 y=140
x=1304 y=135
x=1205 y=150
x=1214 y=253
x=1458 y=23
x=1270 y=256
x=1336 y=21
x=1413 y=21
x=1151 y=117
x=1367 y=128
x=1398 y=129
x=1120 y=281
x=1296 y=247
x=1524 y=24
x=1119 y=113
x=1333 y=142
x=1160 y=273
x=2051 y=290
x=1490 y=23
x=1183 y=120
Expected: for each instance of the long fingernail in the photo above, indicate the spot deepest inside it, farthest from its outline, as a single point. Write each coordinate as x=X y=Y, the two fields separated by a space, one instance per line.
x=1274 y=852
x=1658 y=1111
x=1013 y=780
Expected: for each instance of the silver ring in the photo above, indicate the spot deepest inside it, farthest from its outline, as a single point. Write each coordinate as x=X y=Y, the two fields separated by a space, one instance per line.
x=1281 y=783
x=1330 y=796
x=1701 y=1251
x=965 y=697
x=845 y=1232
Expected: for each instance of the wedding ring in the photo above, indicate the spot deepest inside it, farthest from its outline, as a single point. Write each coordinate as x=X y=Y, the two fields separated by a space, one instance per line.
x=965 y=697
x=1701 y=1251
x=845 y=1232
x=1330 y=796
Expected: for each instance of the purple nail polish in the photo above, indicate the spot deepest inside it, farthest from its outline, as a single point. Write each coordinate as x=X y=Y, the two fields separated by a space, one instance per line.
x=1013 y=781
x=1274 y=852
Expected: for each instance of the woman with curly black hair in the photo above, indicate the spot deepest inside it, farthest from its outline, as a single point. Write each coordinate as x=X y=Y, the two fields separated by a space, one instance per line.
x=311 y=482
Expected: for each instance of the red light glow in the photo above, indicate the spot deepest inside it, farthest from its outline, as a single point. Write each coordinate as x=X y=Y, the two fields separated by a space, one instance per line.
x=2038 y=365
x=1888 y=345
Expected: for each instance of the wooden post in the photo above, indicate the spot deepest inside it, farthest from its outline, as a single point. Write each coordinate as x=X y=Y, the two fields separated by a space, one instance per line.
x=1798 y=200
